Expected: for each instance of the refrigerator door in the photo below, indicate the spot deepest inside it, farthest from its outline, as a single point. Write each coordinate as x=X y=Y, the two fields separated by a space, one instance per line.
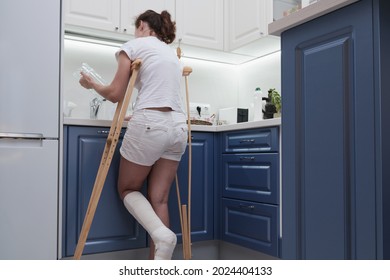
x=28 y=200
x=30 y=66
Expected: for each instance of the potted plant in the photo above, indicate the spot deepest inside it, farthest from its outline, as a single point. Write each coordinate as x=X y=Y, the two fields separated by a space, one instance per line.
x=274 y=103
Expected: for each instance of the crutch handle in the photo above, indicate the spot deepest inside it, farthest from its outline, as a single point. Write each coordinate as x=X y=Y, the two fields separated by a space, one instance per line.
x=136 y=64
x=187 y=71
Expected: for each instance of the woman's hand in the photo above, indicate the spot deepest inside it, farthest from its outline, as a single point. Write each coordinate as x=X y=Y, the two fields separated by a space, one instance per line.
x=86 y=81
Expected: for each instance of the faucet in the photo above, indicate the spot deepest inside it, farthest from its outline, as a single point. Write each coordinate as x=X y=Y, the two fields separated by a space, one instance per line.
x=94 y=106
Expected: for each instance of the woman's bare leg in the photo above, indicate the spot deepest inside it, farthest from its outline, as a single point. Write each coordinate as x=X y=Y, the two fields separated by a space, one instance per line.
x=154 y=215
x=159 y=183
x=131 y=177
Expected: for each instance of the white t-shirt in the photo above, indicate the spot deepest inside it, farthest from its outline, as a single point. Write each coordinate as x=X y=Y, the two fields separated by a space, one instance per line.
x=158 y=81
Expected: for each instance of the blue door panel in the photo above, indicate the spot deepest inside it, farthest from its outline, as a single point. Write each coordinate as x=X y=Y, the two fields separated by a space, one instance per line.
x=328 y=170
x=202 y=198
x=113 y=228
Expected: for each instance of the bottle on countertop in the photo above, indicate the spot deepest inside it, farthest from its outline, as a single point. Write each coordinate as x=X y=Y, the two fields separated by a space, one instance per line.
x=263 y=104
x=257 y=105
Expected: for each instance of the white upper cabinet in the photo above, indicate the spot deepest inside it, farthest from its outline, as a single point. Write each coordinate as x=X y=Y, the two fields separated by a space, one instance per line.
x=200 y=23
x=111 y=15
x=98 y=14
x=223 y=25
x=246 y=21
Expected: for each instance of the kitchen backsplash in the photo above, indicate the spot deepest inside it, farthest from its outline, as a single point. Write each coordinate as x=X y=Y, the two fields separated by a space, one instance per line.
x=218 y=84
x=264 y=72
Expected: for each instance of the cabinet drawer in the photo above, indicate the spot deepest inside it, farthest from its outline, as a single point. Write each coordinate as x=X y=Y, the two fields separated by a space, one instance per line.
x=251 y=177
x=252 y=225
x=252 y=140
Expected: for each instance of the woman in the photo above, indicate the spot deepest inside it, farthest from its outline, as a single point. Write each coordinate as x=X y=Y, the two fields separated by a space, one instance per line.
x=156 y=135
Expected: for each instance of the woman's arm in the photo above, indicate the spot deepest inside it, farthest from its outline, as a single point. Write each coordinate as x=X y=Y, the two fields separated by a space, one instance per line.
x=115 y=91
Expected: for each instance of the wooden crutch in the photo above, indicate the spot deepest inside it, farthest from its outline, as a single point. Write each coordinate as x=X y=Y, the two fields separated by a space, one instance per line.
x=108 y=153
x=184 y=210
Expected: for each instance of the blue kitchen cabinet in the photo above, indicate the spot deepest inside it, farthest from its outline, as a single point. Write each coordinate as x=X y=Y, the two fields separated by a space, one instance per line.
x=250 y=189
x=202 y=186
x=113 y=228
x=336 y=135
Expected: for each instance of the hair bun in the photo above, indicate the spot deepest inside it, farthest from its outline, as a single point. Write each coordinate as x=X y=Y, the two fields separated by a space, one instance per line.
x=168 y=27
x=161 y=24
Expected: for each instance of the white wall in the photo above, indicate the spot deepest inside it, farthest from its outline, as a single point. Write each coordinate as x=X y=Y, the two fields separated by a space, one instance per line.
x=264 y=72
x=100 y=57
x=218 y=84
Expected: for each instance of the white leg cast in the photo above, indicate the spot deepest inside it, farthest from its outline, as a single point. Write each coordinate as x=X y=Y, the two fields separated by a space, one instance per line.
x=163 y=238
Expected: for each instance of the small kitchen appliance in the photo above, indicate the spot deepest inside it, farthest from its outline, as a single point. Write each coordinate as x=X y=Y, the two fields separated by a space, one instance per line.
x=233 y=115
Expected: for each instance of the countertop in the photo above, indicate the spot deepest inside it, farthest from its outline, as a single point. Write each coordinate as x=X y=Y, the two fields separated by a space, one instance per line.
x=306 y=14
x=201 y=128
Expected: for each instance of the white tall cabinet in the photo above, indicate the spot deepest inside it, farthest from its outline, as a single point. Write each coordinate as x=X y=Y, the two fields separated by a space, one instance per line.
x=30 y=89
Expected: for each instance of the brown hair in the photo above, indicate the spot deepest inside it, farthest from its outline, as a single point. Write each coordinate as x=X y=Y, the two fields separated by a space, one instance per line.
x=161 y=24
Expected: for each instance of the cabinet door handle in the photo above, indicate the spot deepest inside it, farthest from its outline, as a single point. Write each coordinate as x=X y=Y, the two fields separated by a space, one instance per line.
x=106 y=132
x=247 y=141
x=250 y=207
x=21 y=135
x=247 y=158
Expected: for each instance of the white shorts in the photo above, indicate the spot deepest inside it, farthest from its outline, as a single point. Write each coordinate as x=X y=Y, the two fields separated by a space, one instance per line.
x=152 y=135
